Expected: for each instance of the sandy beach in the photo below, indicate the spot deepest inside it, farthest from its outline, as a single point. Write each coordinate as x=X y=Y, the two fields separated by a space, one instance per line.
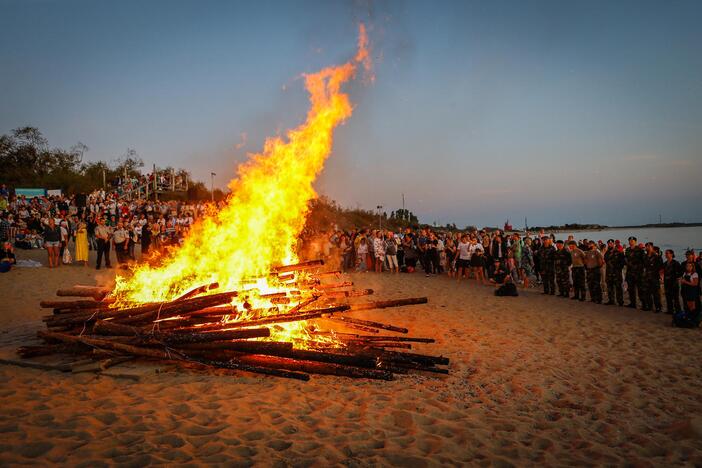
x=534 y=381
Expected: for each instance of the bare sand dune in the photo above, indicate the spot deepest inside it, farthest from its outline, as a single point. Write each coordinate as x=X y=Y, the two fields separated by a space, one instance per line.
x=534 y=381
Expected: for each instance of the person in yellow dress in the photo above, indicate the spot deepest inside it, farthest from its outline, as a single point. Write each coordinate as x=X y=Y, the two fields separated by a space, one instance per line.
x=82 y=243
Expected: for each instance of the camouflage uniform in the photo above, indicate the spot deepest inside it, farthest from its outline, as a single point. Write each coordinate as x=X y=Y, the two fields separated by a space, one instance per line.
x=614 y=259
x=562 y=261
x=634 y=272
x=548 y=269
x=593 y=261
x=651 y=285
x=578 y=272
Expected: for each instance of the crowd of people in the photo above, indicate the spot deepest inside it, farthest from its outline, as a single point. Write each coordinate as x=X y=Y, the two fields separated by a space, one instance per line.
x=106 y=222
x=101 y=221
x=570 y=269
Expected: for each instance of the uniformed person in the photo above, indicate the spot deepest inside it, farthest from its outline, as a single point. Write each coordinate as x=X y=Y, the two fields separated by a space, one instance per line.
x=651 y=290
x=562 y=263
x=593 y=265
x=671 y=282
x=548 y=267
x=577 y=270
x=634 y=270
x=614 y=261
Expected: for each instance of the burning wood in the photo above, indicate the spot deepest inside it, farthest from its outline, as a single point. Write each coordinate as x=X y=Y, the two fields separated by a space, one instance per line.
x=237 y=330
x=204 y=304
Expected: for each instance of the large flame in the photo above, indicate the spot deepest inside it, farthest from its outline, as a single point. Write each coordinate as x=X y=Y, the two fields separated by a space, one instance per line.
x=266 y=211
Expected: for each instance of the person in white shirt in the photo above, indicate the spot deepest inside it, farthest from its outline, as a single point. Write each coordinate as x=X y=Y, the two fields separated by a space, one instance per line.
x=120 y=238
x=463 y=262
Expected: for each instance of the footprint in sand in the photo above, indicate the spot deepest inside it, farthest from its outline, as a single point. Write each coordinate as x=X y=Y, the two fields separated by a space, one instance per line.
x=35 y=449
x=279 y=445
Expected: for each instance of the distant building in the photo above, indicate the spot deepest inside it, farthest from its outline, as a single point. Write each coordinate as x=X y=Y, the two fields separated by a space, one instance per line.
x=508 y=227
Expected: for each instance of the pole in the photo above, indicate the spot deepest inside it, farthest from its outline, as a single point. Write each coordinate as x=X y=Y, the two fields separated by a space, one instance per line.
x=212 y=176
x=104 y=183
x=155 y=185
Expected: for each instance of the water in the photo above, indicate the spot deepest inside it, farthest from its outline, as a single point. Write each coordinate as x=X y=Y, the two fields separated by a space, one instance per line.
x=677 y=239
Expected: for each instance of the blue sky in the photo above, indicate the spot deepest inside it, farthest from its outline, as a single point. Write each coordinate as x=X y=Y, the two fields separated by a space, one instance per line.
x=480 y=111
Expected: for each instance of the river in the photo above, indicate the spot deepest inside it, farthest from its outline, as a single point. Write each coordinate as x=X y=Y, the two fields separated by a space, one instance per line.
x=679 y=239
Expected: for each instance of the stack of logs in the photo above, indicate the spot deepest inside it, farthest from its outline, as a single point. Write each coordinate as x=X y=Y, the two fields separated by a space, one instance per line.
x=192 y=331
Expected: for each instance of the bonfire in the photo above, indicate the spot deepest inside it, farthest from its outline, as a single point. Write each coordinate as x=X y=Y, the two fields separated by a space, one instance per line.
x=235 y=295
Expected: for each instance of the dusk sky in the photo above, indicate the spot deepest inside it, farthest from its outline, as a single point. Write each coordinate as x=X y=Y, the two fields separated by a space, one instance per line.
x=587 y=111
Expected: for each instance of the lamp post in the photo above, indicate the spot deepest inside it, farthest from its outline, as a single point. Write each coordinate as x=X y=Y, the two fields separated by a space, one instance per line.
x=212 y=176
x=380 y=219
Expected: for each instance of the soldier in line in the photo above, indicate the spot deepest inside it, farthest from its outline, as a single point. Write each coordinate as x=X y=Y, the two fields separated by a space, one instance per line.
x=614 y=259
x=548 y=267
x=672 y=271
x=562 y=263
x=578 y=271
x=593 y=265
x=651 y=284
x=634 y=270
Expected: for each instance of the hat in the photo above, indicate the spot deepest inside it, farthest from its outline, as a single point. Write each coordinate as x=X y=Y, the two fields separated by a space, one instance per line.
x=610 y=240
x=690 y=252
x=559 y=241
x=632 y=238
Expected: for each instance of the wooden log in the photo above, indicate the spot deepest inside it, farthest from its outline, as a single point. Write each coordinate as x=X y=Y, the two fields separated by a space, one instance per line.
x=48 y=349
x=78 y=290
x=147 y=312
x=314 y=367
x=326 y=274
x=285 y=318
x=167 y=355
x=342 y=284
x=252 y=368
x=421 y=358
x=286 y=277
x=107 y=344
x=390 y=303
x=368 y=323
x=392 y=345
x=104 y=327
x=280 y=318
x=215 y=310
x=172 y=309
x=199 y=290
x=71 y=305
x=381 y=344
x=150 y=312
x=254 y=347
x=204 y=337
x=354 y=293
x=361 y=328
x=400 y=339
x=36 y=365
x=298 y=266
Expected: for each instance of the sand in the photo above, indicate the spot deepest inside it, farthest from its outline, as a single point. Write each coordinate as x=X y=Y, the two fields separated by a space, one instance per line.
x=534 y=381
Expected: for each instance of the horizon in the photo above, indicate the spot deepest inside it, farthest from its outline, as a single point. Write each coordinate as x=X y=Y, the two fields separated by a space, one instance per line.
x=570 y=113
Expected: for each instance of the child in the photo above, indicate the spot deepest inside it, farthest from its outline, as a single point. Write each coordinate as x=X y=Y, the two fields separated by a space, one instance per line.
x=361 y=254
x=690 y=281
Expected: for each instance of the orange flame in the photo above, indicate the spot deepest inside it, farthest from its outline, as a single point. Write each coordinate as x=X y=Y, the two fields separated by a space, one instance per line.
x=259 y=226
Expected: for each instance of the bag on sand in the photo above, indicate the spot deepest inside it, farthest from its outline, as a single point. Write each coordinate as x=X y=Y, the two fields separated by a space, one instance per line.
x=67 y=258
x=507 y=289
x=685 y=319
